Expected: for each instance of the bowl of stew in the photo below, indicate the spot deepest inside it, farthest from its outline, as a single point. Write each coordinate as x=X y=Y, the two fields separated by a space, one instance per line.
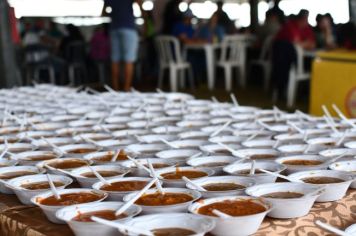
x=172 y=200
x=78 y=217
x=257 y=154
x=172 y=176
x=26 y=187
x=289 y=200
x=303 y=162
x=247 y=214
x=78 y=150
x=216 y=163
x=49 y=204
x=179 y=155
x=173 y=224
x=86 y=178
x=34 y=157
x=106 y=157
x=119 y=187
x=67 y=164
x=335 y=182
x=8 y=173
x=243 y=169
x=157 y=164
x=347 y=166
x=218 y=186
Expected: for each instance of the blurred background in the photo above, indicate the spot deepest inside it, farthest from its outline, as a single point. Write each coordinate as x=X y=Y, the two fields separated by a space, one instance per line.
x=266 y=52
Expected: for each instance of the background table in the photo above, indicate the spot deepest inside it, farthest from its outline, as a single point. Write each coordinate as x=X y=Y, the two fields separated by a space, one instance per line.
x=19 y=220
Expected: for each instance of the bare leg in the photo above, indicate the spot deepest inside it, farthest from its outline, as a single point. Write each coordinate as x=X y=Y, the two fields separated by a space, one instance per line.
x=115 y=75
x=129 y=67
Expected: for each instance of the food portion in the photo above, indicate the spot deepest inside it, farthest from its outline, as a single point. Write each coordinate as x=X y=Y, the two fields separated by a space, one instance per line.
x=124 y=186
x=178 y=174
x=172 y=232
x=70 y=199
x=15 y=174
x=233 y=208
x=104 y=173
x=68 y=164
x=158 y=199
x=223 y=186
x=81 y=150
x=157 y=165
x=109 y=157
x=262 y=156
x=302 y=162
x=43 y=157
x=247 y=172
x=105 y=214
x=40 y=185
x=213 y=164
x=322 y=180
x=283 y=195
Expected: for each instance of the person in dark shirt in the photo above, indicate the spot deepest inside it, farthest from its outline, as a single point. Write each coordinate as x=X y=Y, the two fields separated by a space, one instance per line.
x=224 y=20
x=124 y=40
x=295 y=31
x=171 y=16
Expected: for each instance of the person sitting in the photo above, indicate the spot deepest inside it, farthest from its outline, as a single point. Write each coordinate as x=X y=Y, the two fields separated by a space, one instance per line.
x=211 y=32
x=324 y=33
x=295 y=31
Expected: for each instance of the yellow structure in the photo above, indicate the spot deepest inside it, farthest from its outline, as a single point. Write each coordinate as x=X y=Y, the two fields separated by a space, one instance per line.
x=334 y=82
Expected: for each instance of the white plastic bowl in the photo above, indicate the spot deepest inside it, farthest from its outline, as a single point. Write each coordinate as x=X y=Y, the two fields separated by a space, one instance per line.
x=118 y=195
x=137 y=171
x=333 y=192
x=86 y=182
x=251 y=152
x=23 y=157
x=200 y=225
x=221 y=162
x=3 y=183
x=68 y=148
x=179 y=155
x=50 y=211
x=286 y=208
x=348 y=166
x=25 y=195
x=52 y=170
x=234 y=226
x=259 y=178
x=216 y=149
x=92 y=228
x=295 y=168
x=179 y=183
x=245 y=181
x=180 y=207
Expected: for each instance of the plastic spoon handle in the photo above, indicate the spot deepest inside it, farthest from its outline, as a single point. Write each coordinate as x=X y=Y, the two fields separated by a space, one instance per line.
x=154 y=175
x=122 y=227
x=101 y=178
x=116 y=155
x=138 y=164
x=168 y=143
x=221 y=214
x=281 y=176
x=234 y=100
x=221 y=128
x=342 y=116
x=198 y=187
x=317 y=191
x=226 y=147
x=332 y=228
x=134 y=199
x=253 y=167
x=53 y=187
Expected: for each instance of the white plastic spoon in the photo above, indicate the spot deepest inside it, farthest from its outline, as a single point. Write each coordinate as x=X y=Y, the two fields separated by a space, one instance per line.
x=198 y=187
x=221 y=214
x=331 y=228
x=138 y=164
x=218 y=131
x=101 y=178
x=129 y=203
x=154 y=175
x=53 y=187
x=281 y=176
x=168 y=143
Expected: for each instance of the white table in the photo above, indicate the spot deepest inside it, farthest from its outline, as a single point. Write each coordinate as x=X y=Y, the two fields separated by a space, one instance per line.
x=209 y=49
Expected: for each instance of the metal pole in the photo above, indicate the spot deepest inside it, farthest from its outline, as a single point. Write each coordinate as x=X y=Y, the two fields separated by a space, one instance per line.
x=9 y=72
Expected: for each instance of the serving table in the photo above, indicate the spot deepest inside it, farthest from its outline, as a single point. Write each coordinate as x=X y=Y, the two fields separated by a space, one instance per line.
x=20 y=220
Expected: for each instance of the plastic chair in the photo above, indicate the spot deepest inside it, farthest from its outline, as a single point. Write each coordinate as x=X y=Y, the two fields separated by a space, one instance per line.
x=296 y=75
x=170 y=57
x=264 y=61
x=76 y=55
x=233 y=55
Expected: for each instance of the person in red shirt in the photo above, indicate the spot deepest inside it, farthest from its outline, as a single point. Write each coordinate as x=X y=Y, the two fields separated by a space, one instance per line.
x=295 y=31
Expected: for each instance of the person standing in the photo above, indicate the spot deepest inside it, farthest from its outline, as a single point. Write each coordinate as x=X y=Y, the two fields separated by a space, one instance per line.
x=124 y=40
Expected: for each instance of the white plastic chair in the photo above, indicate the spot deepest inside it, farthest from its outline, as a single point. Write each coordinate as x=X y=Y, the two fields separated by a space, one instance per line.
x=296 y=75
x=170 y=57
x=264 y=61
x=233 y=55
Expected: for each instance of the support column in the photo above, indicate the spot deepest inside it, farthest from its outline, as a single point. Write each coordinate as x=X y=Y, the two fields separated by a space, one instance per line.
x=9 y=72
